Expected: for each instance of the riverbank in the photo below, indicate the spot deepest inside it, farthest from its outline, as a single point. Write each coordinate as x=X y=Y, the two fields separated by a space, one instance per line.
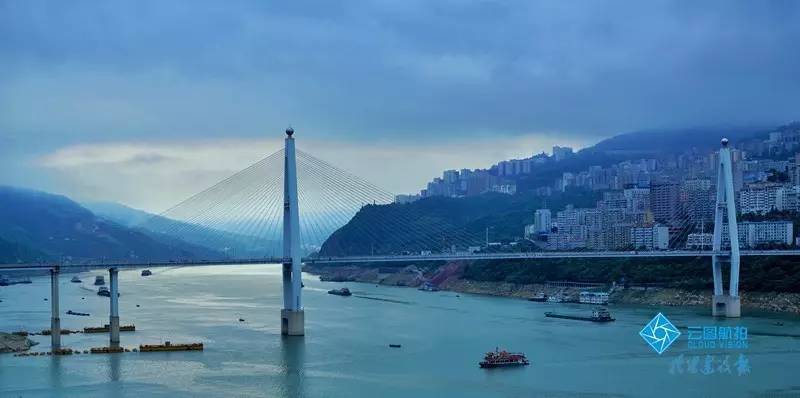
x=450 y=277
x=14 y=343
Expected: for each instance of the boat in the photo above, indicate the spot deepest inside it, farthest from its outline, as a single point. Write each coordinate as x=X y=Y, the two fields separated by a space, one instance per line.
x=99 y=280
x=75 y=279
x=146 y=272
x=340 y=292
x=4 y=281
x=555 y=299
x=598 y=315
x=429 y=287
x=71 y=312
x=103 y=291
x=105 y=328
x=539 y=298
x=395 y=345
x=596 y=298
x=167 y=346
x=502 y=359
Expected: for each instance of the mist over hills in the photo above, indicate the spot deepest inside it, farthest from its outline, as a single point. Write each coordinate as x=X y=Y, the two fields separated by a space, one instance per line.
x=39 y=227
x=233 y=245
x=676 y=140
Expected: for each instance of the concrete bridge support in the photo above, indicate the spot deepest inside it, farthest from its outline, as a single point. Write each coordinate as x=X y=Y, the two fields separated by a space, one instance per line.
x=727 y=305
x=113 y=321
x=55 y=320
x=292 y=316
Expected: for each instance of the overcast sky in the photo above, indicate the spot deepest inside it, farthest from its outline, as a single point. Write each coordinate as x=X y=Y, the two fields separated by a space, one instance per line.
x=146 y=102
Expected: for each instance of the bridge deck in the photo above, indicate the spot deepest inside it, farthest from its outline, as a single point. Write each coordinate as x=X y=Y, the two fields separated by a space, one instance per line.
x=401 y=258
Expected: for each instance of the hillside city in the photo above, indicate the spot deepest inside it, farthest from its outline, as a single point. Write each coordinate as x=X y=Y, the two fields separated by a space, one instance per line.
x=655 y=203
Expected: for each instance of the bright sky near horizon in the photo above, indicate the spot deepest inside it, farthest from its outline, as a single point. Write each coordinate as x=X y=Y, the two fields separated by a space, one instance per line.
x=146 y=102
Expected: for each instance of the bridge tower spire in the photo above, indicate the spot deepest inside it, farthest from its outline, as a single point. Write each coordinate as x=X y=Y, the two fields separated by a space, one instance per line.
x=292 y=316
x=728 y=305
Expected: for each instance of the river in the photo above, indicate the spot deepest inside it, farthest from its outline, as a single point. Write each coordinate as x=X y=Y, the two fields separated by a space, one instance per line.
x=345 y=351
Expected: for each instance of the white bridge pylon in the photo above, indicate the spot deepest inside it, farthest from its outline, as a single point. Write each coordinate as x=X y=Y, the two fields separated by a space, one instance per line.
x=292 y=316
x=728 y=305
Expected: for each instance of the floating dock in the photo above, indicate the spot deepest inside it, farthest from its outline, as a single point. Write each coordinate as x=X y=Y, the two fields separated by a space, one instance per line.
x=106 y=350
x=167 y=346
x=106 y=328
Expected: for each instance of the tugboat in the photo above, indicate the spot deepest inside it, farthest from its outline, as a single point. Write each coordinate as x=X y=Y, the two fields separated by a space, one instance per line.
x=502 y=359
x=103 y=291
x=99 y=280
x=598 y=315
x=340 y=292
x=71 y=312
x=539 y=298
x=75 y=279
x=146 y=272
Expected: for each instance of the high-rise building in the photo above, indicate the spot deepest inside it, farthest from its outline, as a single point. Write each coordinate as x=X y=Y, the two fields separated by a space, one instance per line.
x=761 y=198
x=654 y=237
x=561 y=152
x=450 y=176
x=664 y=201
x=542 y=220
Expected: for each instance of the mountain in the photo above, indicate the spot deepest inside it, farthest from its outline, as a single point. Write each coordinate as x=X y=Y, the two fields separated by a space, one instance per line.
x=675 y=140
x=167 y=230
x=11 y=253
x=118 y=213
x=437 y=222
x=466 y=219
x=40 y=226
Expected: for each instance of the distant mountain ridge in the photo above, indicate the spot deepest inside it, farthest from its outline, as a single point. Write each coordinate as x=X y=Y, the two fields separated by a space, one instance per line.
x=37 y=226
x=676 y=140
x=166 y=230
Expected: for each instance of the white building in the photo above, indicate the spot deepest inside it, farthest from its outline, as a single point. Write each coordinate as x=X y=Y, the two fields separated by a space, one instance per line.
x=761 y=198
x=561 y=152
x=542 y=220
x=754 y=234
x=650 y=238
x=406 y=198
x=699 y=241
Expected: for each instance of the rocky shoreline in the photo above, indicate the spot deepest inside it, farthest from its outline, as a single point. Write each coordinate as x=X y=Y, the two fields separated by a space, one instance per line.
x=14 y=343
x=450 y=277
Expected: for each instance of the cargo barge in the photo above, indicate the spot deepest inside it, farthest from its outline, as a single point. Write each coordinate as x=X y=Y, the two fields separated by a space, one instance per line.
x=106 y=350
x=106 y=328
x=167 y=346
x=598 y=315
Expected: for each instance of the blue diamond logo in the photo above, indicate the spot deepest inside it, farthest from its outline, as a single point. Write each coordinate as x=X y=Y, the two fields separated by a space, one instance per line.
x=660 y=333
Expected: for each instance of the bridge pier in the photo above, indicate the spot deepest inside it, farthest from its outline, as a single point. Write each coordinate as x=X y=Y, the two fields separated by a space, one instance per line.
x=292 y=315
x=55 y=320
x=727 y=305
x=113 y=322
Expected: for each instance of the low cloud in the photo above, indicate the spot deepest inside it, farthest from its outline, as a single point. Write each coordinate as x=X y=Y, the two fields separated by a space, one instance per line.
x=156 y=175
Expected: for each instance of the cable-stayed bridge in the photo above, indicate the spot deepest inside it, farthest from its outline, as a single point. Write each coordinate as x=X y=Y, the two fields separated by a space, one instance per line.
x=293 y=208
